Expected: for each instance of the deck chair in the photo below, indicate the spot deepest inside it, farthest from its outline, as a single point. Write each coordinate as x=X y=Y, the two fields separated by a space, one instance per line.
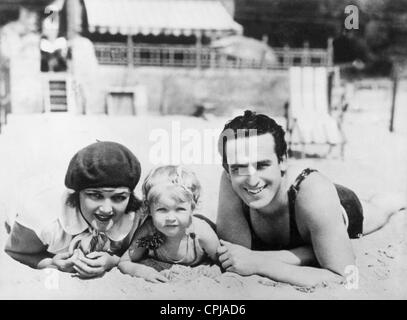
x=309 y=117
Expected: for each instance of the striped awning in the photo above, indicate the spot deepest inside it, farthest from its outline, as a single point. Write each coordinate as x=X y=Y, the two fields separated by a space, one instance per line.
x=55 y=5
x=170 y=17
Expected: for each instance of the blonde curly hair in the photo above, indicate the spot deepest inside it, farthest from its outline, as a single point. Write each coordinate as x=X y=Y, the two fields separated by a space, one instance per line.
x=175 y=181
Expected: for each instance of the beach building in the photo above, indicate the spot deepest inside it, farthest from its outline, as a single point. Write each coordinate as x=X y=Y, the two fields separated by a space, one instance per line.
x=138 y=56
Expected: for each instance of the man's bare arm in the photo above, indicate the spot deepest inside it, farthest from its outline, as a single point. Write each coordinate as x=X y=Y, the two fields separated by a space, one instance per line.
x=232 y=226
x=318 y=211
x=235 y=258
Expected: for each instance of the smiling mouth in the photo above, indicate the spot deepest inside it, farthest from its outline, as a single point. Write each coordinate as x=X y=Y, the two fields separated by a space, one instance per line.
x=103 y=218
x=255 y=191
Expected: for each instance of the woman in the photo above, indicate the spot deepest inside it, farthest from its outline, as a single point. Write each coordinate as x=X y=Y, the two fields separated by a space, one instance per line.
x=94 y=221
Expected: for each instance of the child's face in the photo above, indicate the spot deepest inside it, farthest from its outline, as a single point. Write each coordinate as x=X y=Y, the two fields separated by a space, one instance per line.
x=171 y=216
x=103 y=207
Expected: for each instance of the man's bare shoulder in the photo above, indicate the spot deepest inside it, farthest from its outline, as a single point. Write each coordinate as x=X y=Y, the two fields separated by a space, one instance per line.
x=315 y=186
x=317 y=200
x=293 y=171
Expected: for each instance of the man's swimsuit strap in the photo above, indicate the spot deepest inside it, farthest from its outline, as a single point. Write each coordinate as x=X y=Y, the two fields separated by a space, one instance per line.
x=295 y=237
x=349 y=202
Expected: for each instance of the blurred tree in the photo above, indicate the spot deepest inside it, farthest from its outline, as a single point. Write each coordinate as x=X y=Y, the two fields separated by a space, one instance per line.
x=9 y=9
x=382 y=31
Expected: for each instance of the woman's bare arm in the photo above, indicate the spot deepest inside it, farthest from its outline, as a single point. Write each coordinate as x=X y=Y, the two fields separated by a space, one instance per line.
x=24 y=246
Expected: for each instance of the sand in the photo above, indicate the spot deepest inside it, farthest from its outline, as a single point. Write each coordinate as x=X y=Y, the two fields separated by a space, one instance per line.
x=35 y=149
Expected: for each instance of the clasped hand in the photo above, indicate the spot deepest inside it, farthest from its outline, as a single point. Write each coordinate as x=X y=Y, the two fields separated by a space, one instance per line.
x=95 y=264
x=235 y=258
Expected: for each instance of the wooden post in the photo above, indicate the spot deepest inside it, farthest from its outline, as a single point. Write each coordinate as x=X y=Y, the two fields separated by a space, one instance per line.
x=171 y=57
x=163 y=98
x=130 y=49
x=286 y=58
x=212 y=55
x=265 y=40
x=395 y=81
x=305 y=59
x=72 y=18
x=198 y=49
x=330 y=52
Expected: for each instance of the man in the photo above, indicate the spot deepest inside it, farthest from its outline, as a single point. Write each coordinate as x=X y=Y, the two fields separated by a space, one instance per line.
x=278 y=224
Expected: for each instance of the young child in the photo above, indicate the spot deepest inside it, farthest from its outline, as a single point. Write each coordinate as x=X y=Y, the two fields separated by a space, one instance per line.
x=171 y=233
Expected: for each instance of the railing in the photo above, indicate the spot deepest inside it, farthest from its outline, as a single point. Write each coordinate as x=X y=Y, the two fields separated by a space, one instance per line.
x=204 y=57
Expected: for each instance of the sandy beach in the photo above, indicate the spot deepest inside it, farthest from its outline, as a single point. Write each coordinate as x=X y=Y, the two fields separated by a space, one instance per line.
x=35 y=150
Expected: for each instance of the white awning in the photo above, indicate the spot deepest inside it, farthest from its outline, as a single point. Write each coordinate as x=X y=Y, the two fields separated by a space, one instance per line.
x=171 y=17
x=55 y=5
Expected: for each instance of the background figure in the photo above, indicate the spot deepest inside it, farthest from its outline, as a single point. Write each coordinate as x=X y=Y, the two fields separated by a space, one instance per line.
x=54 y=49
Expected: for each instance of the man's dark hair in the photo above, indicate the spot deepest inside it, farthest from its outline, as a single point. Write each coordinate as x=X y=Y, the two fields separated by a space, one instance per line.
x=134 y=204
x=245 y=126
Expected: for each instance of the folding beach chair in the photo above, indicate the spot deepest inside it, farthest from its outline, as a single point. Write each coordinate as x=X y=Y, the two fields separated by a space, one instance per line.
x=310 y=117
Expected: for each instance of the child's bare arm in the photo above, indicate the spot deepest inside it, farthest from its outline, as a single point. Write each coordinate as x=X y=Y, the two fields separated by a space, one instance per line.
x=208 y=239
x=128 y=263
x=135 y=253
x=141 y=271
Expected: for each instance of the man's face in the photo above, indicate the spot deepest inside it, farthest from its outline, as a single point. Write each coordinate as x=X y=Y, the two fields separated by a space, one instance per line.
x=254 y=170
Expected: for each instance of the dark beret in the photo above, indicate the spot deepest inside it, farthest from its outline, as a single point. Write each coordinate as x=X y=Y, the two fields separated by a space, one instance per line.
x=103 y=164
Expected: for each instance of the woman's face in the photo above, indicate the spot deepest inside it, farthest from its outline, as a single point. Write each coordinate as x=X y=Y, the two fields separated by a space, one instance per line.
x=103 y=207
